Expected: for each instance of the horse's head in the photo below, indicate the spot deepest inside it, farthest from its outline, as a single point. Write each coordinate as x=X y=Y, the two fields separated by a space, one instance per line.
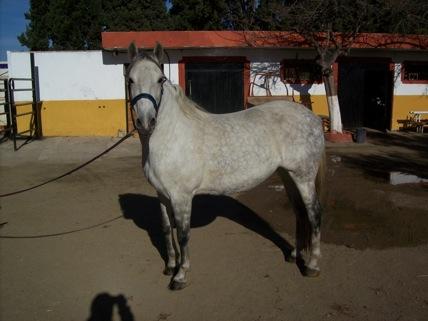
x=145 y=82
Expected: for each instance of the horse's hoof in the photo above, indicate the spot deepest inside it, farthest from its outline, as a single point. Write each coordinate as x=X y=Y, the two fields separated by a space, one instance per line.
x=169 y=270
x=312 y=273
x=175 y=285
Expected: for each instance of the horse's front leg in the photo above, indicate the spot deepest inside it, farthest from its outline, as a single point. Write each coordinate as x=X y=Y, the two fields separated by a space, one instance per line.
x=182 y=208
x=167 y=229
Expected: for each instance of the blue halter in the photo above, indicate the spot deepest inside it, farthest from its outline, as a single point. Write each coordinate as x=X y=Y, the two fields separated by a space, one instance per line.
x=156 y=105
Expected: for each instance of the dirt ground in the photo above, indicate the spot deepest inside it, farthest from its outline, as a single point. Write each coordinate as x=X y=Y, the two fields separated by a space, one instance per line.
x=89 y=247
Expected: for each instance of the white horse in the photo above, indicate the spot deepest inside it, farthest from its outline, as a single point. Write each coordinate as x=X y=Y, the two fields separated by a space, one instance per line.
x=188 y=151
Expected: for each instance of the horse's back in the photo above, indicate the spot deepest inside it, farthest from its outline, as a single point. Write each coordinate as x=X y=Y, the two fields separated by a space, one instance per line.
x=244 y=148
x=286 y=125
x=288 y=116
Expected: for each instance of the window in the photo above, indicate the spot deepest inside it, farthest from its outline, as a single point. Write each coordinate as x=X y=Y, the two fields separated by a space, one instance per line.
x=414 y=72
x=300 y=72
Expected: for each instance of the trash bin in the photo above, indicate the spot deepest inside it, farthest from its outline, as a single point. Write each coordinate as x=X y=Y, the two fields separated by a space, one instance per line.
x=360 y=135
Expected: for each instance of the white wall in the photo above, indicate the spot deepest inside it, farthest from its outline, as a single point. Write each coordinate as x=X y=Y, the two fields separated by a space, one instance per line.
x=401 y=89
x=19 y=67
x=90 y=75
x=3 y=75
x=69 y=75
x=260 y=83
x=171 y=71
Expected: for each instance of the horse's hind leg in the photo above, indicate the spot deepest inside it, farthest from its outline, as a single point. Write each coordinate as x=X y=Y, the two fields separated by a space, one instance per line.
x=308 y=229
x=167 y=229
x=313 y=234
x=182 y=210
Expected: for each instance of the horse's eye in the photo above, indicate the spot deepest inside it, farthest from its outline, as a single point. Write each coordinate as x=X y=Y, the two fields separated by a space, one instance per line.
x=130 y=81
x=161 y=79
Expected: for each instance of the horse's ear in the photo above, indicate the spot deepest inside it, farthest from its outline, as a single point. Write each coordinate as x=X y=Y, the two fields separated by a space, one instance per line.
x=132 y=51
x=158 y=52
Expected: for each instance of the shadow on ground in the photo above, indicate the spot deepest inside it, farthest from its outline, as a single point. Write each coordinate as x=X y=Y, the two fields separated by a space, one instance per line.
x=145 y=212
x=362 y=210
x=103 y=308
x=408 y=153
x=411 y=141
x=381 y=166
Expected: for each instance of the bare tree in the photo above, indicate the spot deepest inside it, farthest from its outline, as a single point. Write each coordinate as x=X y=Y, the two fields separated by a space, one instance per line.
x=331 y=27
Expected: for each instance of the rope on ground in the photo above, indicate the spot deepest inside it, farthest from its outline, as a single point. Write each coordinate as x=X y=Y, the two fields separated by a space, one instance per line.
x=61 y=233
x=69 y=172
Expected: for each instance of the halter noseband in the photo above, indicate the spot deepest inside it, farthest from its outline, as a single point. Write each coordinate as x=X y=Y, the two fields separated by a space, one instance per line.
x=148 y=96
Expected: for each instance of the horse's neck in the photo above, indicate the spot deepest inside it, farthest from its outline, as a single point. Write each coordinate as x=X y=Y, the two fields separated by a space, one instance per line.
x=169 y=113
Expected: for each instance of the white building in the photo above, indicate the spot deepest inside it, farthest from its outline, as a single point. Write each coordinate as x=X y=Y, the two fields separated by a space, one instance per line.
x=84 y=93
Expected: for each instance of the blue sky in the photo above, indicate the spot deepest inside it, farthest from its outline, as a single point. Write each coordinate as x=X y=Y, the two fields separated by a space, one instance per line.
x=12 y=24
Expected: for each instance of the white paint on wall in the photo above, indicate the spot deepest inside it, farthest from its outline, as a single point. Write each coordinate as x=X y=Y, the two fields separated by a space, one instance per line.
x=265 y=79
x=401 y=89
x=78 y=75
x=70 y=75
x=171 y=71
x=90 y=75
x=19 y=67
x=3 y=76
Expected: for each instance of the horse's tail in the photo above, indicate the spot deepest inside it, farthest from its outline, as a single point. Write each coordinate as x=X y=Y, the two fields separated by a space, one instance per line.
x=320 y=179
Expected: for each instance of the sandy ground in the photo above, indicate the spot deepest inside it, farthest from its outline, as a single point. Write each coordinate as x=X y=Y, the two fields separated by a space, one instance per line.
x=88 y=247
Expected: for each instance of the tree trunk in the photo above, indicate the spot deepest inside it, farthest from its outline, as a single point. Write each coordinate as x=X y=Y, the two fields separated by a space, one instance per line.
x=333 y=103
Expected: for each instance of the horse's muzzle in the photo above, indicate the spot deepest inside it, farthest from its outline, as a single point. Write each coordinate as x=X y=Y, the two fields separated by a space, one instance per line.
x=152 y=124
x=146 y=127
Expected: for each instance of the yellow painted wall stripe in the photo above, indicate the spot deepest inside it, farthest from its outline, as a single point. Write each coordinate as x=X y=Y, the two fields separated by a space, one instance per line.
x=402 y=105
x=108 y=117
x=23 y=122
x=83 y=117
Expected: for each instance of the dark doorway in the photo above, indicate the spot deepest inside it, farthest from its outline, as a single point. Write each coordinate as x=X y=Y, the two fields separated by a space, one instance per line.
x=365 y=91
x=216 y=86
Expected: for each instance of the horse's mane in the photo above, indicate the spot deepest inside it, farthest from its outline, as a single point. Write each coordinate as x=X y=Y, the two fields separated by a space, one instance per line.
x=188 y=106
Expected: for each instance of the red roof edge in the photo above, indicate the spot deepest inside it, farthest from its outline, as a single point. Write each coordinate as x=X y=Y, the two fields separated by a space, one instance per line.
x=248 y=39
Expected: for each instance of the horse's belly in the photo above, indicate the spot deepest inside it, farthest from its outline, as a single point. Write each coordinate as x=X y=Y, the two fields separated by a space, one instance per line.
x=241 y=157
x=239 y=177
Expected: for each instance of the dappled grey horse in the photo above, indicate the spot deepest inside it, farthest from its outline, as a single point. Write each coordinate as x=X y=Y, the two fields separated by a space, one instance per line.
x=188 y=151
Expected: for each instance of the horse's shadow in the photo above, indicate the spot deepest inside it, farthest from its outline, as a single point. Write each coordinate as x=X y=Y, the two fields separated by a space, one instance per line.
x=145 y=212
